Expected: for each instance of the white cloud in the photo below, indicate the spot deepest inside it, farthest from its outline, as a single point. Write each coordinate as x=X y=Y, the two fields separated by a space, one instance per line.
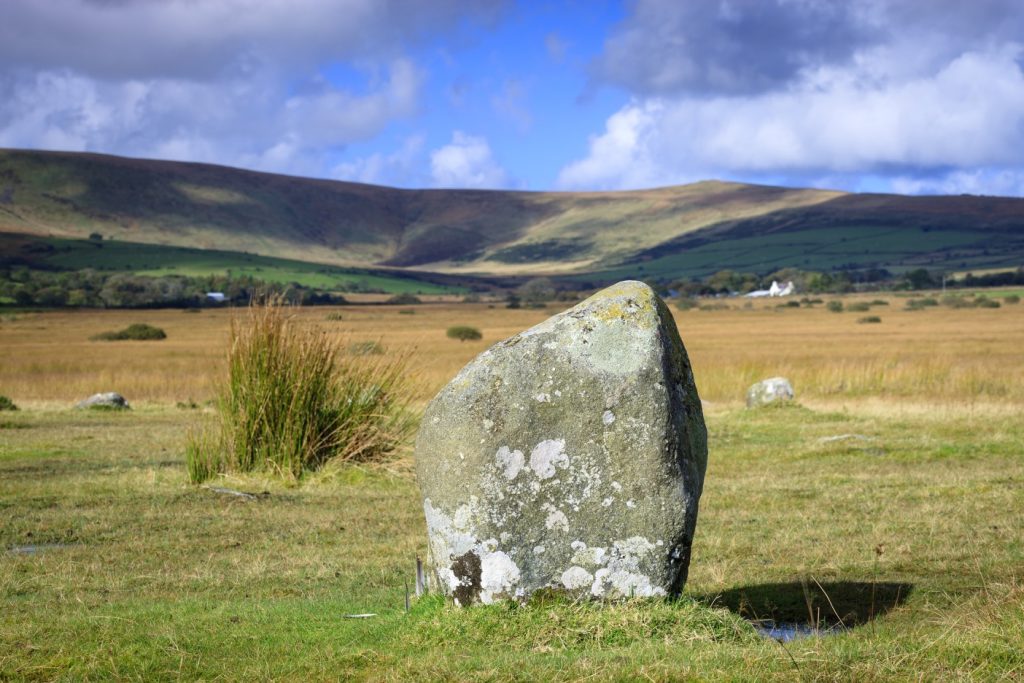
x=234 y=82
x=400 y=168
x=466 y=162
x=997 y=182
x=861 y=118
x=250 y=122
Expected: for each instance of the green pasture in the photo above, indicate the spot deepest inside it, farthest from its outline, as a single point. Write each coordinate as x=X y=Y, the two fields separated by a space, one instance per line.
x=159 y=260
x=901 y=532
x=819 y=249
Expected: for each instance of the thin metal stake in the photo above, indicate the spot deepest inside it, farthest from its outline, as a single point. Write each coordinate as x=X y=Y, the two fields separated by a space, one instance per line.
x=420 y=583
x=406 y=596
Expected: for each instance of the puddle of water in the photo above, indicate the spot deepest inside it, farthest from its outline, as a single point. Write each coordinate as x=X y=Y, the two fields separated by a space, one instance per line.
x=38 y=548
x=786 y=632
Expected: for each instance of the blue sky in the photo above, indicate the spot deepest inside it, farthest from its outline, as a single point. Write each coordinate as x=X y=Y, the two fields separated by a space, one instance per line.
x=909 y=96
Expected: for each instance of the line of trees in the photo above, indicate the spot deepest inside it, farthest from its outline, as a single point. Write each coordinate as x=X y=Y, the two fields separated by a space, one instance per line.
x=97 y=289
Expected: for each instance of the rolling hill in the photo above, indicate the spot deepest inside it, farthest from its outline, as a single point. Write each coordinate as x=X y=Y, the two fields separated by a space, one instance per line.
x=667 y=232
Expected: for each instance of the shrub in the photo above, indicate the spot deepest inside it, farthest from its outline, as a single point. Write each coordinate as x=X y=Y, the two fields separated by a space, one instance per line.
x=869 y=319
x=291 y=403
x=985 y=302
x=835 y=306
x=404 y=299
x=6 y=403
x=919 y=304
x=1011 y=299
x=407 y=311
x=858 y=307
x=686 y=303
x=464 y=333
x=333 y=317
x=879 y=302
x=137 y=331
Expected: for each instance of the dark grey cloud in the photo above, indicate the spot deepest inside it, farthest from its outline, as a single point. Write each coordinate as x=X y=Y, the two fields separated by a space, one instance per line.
x=733 y=46
x=669 y=47
x=207 y=39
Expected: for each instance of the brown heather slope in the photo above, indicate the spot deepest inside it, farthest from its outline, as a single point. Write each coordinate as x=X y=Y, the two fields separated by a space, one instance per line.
x=494 y=232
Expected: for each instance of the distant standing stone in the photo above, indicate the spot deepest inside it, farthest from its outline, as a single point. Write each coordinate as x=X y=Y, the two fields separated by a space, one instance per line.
x=768 y=391
x=571 y=456
x=110 y=400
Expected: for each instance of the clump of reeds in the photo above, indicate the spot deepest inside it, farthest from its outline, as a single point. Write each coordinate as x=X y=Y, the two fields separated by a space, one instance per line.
x=291 y=402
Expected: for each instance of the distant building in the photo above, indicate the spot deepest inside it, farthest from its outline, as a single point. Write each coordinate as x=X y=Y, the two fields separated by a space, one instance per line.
x=775 y=290
x=217 y=297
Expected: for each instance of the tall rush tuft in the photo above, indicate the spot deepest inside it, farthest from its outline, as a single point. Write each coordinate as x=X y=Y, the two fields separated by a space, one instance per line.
x=292 y=403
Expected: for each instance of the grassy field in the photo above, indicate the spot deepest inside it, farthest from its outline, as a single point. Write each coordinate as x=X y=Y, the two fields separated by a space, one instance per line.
x=890 y=499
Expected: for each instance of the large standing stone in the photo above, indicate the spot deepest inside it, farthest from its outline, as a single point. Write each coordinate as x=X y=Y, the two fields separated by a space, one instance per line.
x=768 y=391
x=571 y=455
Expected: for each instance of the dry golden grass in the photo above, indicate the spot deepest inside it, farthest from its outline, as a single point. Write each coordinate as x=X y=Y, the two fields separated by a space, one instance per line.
x=934 y=356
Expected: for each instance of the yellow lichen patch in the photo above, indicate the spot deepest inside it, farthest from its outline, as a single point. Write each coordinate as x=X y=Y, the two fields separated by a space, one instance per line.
x=630 y=300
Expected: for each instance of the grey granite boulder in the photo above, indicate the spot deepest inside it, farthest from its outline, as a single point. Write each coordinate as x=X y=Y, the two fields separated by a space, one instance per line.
x=570 y=456
x=768 y=391
x=110 y=400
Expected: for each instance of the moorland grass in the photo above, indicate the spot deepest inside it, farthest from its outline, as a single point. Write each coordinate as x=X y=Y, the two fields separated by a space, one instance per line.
x=935 y=355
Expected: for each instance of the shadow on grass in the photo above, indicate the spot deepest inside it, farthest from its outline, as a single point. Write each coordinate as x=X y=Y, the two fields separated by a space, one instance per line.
x=825 y=605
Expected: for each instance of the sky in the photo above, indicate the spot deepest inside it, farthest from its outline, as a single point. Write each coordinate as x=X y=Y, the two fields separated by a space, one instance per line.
x=906 y=96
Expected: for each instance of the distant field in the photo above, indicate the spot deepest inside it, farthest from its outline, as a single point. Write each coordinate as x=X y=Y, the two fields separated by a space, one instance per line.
x=857 y=246
x=887 y=503
x=158 y=260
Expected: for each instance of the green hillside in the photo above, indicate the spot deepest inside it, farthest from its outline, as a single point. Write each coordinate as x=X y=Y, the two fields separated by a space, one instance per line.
x=673 y=231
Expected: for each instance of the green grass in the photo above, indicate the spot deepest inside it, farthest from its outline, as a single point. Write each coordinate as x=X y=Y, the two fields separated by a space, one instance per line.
x=155 y=579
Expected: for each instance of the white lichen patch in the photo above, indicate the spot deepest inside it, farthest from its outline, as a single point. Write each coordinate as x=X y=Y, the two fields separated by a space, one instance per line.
x=577 y=577
x=538 y=550
x=608 y=417
x=607 y=502
x=542 y=398
x=622 y=574
x=498 y=576
x=591 y=557
x=556 y=519
x=511 y=462
x=546 y=456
